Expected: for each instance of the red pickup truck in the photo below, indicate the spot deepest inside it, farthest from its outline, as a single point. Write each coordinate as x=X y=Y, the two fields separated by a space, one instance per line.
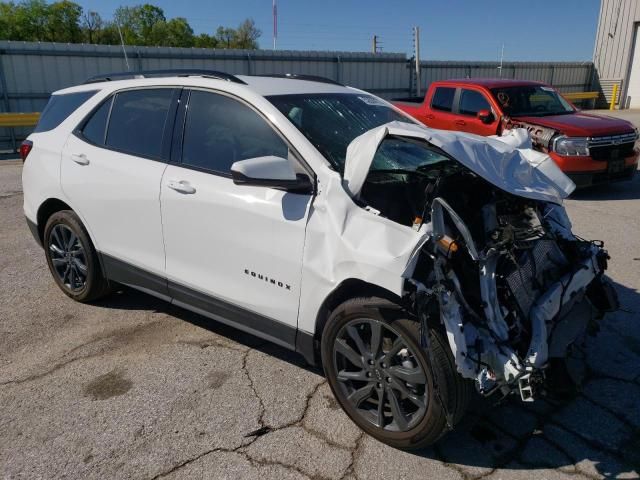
x=589 y=148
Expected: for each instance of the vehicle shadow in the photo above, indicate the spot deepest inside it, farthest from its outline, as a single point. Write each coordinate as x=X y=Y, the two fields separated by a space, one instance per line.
x=542 y=435
x=129 y=299
x=628 y=190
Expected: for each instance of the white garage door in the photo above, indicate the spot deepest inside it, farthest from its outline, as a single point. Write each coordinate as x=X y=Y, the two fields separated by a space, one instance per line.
x=634 y=78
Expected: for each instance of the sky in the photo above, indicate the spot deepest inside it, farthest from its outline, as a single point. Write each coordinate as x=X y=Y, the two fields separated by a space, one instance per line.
x=533 y=30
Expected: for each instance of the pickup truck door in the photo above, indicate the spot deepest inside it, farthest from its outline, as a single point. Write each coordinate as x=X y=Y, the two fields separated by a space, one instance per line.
x=439 y=108
x=232 y=251
x=470 y=102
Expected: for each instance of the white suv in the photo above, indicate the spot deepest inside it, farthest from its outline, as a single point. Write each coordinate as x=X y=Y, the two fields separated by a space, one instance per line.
x=415 y=264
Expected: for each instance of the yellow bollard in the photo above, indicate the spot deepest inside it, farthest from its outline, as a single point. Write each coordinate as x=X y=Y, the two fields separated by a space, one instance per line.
x=614 y=97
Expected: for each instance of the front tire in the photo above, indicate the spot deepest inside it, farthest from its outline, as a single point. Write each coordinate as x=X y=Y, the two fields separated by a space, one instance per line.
x=72 y=258
x=384 y=380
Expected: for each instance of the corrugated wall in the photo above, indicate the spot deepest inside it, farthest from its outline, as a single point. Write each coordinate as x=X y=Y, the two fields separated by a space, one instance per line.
x=614 y=41
x=565 y=76
x=30 y=71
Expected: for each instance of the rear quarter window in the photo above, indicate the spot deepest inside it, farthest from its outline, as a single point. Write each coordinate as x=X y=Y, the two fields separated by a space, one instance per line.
x=137 y=121
x=59 y=108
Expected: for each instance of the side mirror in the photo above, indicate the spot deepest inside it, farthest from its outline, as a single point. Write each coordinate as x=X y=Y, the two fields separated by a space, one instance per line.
x=270 y=171
x=485 y=116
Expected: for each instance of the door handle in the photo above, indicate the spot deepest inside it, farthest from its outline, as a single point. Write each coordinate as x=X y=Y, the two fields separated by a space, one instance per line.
x=430 y=116
x=80 y=158
x=181 y=186
x=461 y=123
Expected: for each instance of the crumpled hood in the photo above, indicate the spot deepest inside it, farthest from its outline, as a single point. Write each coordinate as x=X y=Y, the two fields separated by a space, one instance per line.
x=508 y=162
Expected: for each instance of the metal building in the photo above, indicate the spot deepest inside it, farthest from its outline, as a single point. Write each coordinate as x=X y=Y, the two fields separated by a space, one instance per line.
x=617 y=50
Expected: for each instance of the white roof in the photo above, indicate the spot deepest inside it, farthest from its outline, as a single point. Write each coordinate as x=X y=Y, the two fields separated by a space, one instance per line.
x=284 y=86
x=263 y=86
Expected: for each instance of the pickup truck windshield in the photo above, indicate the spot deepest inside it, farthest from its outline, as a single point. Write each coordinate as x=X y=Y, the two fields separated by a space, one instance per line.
x=330 y=121
x=531 y=100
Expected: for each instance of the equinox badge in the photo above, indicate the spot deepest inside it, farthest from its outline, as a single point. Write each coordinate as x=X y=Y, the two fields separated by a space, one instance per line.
x=269 y=280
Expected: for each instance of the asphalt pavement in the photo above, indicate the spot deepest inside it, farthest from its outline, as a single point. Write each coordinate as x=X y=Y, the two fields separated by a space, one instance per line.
x=131 y=387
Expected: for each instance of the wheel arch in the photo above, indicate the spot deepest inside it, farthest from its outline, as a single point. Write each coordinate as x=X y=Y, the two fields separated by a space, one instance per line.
x=346 y=290
x=46 y=209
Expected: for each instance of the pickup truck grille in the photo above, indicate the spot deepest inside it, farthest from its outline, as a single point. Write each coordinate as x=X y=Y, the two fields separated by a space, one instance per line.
x=612 y=146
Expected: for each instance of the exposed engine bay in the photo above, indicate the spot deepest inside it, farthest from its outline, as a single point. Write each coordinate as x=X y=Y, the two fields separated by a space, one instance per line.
x=504 y=275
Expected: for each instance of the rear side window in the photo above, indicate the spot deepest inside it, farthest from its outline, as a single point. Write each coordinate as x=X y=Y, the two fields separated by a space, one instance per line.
x=220 y=131
x=95 y=130
x=443 y=99
x=471 y=102
x=137 y=120
x=59 y=108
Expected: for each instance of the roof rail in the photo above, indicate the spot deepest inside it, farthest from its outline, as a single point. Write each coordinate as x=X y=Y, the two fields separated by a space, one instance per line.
x=187 y=72
x=296 y=76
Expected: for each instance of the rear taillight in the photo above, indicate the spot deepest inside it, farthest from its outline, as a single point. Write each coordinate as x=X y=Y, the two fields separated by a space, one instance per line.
x=25 y=148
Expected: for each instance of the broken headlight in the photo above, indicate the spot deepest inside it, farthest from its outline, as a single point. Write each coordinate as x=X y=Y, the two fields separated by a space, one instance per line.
x=571 y=146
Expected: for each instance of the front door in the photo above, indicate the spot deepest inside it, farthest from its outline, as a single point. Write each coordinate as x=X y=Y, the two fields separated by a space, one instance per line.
x=233 y=251
x=470 y=103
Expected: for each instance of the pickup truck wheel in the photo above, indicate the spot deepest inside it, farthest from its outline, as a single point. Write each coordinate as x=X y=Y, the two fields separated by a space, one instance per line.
x=72 y=259
x=384 y=380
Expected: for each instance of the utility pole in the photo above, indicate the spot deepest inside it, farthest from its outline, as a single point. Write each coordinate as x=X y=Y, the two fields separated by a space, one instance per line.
x=376 y=45
x=275 y=24
x=416 y=50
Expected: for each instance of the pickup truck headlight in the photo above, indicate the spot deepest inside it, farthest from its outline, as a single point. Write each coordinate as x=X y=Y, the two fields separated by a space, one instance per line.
x=571 y=146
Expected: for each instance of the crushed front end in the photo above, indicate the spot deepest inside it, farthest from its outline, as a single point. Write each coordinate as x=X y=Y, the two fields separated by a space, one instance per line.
x=496 y=264
x=514 y=288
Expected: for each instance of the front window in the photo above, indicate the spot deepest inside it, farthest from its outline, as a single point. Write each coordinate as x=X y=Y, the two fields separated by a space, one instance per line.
x=531 y=100
x=331 y=121
x=471 y=102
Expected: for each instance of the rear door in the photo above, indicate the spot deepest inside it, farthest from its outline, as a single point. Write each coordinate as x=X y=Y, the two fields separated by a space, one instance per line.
x=111 y=171
x=441 y=105
x=470 y=102
x=233 y=251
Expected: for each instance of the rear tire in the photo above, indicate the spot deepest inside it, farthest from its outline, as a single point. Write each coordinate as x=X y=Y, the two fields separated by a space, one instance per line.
x=72 y=258
x=360 y=374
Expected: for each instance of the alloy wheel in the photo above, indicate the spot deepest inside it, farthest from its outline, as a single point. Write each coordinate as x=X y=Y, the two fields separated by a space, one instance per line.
x=68 y=257
x=379 y=376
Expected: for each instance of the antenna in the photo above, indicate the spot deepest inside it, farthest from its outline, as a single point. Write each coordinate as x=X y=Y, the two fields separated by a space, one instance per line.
x=501 y=60
x=126 y=59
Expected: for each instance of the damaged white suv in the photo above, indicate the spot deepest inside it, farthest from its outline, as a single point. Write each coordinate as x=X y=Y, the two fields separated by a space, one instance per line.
x=417 y=265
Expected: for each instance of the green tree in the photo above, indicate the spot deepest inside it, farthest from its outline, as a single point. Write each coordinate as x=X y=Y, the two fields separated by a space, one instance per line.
x=204 y=40
x=31 y=20
x=8 y=24
x=175 y=33
x=63 y=22
x=225 y=37
x=137 y=23
x=108 y=35
x=247 y=35
x=146 y=24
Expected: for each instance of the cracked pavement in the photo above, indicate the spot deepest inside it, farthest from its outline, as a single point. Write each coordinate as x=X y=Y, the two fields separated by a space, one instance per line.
x=132 y=387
